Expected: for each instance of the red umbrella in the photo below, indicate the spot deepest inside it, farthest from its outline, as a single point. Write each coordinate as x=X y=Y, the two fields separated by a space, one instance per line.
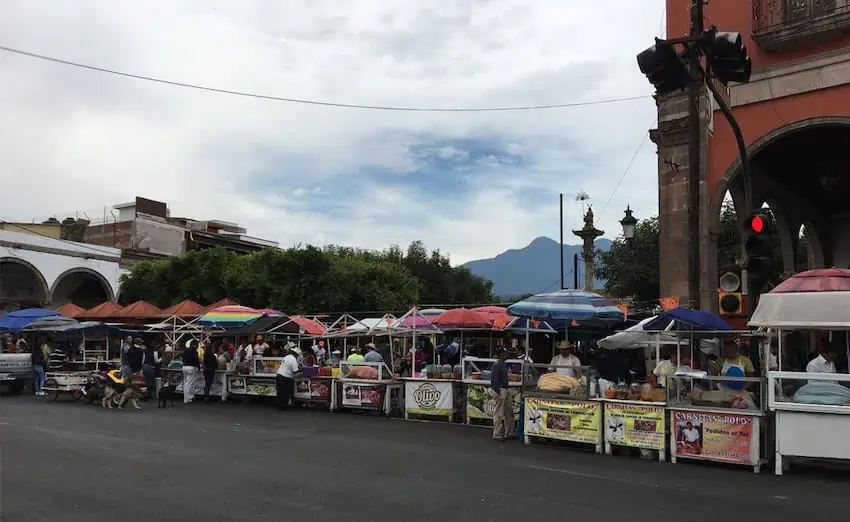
x=459 y=318
x=309 y=326
x=819 y=280
x=497 y=315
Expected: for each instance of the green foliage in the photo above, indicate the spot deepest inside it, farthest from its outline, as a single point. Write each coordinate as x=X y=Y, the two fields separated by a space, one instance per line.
x=631 y=269
x=309 y=279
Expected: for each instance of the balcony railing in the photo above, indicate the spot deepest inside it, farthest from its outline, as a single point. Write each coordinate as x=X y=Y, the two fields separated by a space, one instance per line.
x=782 y=25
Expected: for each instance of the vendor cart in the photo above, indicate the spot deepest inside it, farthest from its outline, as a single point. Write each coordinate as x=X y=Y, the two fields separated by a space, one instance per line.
x=313 y=389
x=433 y=398
x=368 y=386
x=259 y=382
x=559 y=405
x=480 y=397
x=811 y=407
x=70 y=382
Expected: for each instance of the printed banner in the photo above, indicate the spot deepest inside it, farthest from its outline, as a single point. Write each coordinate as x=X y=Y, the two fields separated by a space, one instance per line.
x=249 y=386
x=575 y=421
x=429 y=398
x=481 y=401
x=267 y=365
x=363 y=395
x=316 y=390
x=635 y=425
x=716 y=436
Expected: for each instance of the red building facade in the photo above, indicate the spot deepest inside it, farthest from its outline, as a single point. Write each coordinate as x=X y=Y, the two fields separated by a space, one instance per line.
x=795 y=117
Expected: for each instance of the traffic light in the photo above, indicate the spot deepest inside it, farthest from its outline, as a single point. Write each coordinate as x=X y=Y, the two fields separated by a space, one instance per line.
x=730 y=298
x=758 y=230
x=727 y=56
x=664 y=67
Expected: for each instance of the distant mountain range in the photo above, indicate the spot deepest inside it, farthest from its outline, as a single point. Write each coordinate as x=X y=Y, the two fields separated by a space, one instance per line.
x=533 y=269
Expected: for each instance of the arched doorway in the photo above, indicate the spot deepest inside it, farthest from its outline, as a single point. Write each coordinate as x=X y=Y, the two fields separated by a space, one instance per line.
x=82 y=286
x=802 y=172
x=22 y=285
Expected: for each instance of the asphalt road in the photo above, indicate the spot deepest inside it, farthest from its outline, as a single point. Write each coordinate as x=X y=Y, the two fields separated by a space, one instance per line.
x=71 y=462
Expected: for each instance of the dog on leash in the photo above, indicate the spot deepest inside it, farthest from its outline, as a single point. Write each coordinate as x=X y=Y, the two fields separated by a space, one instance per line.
x=166 y=394
x=115 y=392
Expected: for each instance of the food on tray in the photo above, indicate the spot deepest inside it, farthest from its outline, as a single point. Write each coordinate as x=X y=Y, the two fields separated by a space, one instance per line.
x=476 y=376
x=610 y=393
x=556 y=382
x=514 y=378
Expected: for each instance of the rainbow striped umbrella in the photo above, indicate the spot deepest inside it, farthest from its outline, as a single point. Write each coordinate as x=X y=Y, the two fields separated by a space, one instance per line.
x=233 y=315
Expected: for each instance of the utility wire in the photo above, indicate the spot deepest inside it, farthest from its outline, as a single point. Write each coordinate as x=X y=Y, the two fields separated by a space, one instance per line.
x=315 y=102
x=626 y=172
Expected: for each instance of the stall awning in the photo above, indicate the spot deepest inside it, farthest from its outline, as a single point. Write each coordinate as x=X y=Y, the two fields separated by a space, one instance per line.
x=280 y=325
x=686 y=319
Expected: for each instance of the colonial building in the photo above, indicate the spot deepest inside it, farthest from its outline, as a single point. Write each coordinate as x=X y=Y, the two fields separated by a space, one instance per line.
x=795 y=118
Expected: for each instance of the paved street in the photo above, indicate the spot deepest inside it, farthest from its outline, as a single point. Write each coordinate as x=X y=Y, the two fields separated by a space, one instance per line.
x=71 y=462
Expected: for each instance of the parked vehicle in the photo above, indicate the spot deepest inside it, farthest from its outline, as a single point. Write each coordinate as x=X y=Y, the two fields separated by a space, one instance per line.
x=15 y=371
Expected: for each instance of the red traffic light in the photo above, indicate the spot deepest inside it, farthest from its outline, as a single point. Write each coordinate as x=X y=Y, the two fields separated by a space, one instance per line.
x=757 y=224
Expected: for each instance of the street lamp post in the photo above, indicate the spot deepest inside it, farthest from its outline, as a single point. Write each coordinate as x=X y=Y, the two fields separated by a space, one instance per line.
x=628 y=224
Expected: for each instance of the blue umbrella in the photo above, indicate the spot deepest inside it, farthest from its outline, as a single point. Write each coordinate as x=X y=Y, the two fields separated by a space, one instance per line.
x=569 y=305
x=17 y=320
x=687 y=319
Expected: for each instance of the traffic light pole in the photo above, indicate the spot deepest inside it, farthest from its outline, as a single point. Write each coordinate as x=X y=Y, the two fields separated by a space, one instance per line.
x=695 y=132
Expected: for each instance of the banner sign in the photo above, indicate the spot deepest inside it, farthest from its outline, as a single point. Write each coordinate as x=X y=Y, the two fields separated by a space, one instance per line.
x=429 y=398
x=249 y=386
x=481 y=401
x=315 y=390
x=635 y=425
x=575 y=421
x=369 y=396
x=715 y=436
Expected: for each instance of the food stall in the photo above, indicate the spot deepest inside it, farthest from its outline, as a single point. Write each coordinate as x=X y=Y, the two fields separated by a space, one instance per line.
x=480 y=398
x=259 y=382
x=368 y=386
x=559 y=406
x=718 y=418
x=811 y=408
x=315 y=387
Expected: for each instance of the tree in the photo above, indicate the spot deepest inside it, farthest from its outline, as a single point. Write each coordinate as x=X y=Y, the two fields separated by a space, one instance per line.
x=630 y=268
x=309 y=279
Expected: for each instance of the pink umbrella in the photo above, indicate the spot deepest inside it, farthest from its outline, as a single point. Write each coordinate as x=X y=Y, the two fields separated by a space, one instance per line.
x=309 y=326
x=415 y=321
x=819 y=280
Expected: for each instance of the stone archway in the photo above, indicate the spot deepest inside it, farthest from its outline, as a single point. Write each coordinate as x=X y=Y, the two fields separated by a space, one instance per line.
x=790 y=206
x=82 y=286
x=22 y=283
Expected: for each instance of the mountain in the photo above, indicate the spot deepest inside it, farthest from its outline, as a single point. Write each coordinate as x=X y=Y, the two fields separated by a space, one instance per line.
x=533 y=269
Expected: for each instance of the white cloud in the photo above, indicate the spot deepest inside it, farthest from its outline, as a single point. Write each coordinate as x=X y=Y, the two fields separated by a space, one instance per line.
x=77 y=139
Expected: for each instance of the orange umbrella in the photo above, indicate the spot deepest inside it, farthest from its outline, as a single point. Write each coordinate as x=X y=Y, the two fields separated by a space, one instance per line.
x=497 y=315
x=462 y=318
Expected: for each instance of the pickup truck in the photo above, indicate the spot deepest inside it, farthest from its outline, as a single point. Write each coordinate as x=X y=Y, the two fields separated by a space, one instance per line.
x=15 y=371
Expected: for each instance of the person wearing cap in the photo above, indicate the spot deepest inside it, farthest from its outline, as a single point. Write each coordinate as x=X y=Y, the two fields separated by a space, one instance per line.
x=372 y=354
x=504 y=426
x=336 y=355
x=285 y=379
x=566 y=358
x=355 y=356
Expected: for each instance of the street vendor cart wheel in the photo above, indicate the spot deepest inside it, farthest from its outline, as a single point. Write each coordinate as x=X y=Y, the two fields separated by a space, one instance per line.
x=52 y=390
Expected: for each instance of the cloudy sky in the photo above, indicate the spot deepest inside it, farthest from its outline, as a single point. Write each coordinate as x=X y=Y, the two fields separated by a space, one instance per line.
x=471 y=184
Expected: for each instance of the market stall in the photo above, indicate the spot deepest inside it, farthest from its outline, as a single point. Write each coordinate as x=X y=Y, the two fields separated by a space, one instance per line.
x=368 y=386
x=480 y=397
x=175 y=377
x=810 y=399
x=315 y=387
x=258 y=382
x=558 y=405
x=716 y=415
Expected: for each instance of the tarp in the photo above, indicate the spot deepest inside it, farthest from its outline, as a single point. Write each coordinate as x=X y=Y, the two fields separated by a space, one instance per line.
x=50 y=324
x=263 y=325
x=687 y=319
x=569 y=305
x=17 y=320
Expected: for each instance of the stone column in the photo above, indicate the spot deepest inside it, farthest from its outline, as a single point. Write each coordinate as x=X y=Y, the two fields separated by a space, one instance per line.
x=588 y=234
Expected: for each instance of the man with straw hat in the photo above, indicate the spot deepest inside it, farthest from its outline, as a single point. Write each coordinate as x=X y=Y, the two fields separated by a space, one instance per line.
x=285 y=379
x=566 y=358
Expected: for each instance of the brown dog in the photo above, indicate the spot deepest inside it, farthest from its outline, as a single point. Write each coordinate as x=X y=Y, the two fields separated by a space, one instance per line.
x=113 y=397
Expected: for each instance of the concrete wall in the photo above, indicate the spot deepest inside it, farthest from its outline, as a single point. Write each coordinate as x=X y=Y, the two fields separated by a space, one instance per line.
x=158 y=237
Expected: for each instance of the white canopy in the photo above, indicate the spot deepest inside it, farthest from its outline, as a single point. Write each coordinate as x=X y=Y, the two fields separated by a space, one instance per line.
x=636 y=337
x=803 y=310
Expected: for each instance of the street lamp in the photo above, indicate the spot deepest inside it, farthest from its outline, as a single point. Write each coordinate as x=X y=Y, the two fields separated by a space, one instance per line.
x=628 y=224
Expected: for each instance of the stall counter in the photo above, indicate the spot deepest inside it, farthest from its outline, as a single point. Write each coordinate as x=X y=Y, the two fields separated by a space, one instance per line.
x=635 y=424
x=316 y=390
x=716 y=434
x=175 y=376
x=558 y=416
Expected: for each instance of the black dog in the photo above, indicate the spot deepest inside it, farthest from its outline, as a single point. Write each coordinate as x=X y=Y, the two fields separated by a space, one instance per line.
x=166 y=394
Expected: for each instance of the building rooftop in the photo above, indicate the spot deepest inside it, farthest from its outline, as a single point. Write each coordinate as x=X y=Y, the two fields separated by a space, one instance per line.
x=8 y=238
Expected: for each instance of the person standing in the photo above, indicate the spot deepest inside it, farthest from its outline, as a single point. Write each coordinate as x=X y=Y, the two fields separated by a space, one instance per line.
x=355 y=356
x=150 y=358
x=566 y=358
x=126 y=348
x=285 y=379
x=190 y=369
x=210 y=366
x=372 y=354
x=38 y=370
x=504 y=426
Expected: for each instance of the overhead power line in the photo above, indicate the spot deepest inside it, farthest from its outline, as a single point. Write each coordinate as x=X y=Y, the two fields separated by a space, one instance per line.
x=315 y=102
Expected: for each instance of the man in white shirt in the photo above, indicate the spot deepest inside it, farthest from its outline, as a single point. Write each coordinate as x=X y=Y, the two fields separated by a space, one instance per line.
x=690 y=435
x=566 y=358
x=825 y=362
x=285 y=379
